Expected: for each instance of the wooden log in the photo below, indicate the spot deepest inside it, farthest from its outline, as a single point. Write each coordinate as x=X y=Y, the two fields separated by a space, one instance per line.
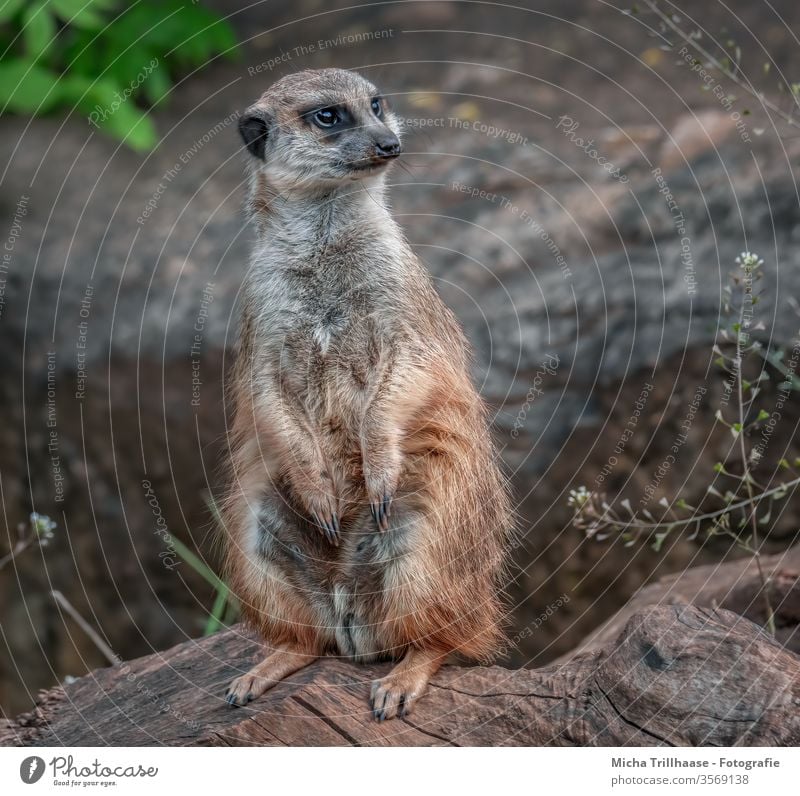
x=676 y=675
x=734 y=586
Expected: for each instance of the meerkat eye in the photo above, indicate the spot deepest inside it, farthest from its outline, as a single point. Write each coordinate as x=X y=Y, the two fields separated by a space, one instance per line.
x=326 y=117
x=377 y=108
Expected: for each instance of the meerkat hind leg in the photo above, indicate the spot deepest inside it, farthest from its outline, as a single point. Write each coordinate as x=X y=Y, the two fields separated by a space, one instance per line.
x=264 y=675
x=396 y=693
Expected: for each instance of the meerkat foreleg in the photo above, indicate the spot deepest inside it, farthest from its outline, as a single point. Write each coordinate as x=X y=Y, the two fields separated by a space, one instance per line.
x=381 y=434
x=381 y=462
x=285 y=660
x=397 y=692
x=311 y=479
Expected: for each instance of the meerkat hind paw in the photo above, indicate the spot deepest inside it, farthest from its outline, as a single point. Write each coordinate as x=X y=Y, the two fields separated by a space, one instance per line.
x=392 y=696
x=246 y=688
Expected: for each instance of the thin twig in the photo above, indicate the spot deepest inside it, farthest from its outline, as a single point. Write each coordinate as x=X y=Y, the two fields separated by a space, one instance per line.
x=633 y=523
x=787 y=117
x=86 y=628
x=16 y=550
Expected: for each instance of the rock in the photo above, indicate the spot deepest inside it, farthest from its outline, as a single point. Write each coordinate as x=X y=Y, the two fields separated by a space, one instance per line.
x=694 y=134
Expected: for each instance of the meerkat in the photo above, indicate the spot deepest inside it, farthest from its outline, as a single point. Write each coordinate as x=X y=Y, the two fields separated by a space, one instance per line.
x=367 y=516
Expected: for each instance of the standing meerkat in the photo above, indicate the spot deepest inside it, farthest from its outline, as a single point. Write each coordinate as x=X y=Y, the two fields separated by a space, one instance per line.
x=366 y=516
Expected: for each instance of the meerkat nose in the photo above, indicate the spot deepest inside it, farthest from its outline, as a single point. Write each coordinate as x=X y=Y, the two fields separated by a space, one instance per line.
x=387 y=146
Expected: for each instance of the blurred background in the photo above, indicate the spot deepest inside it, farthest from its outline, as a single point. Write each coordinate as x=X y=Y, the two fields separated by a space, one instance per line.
x=580 y=177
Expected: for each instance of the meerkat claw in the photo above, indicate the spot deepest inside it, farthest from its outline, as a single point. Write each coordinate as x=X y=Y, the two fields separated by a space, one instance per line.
x=377 y=514
x=333 y=536
x=385 y=512
x=329 y=529
x=381 y=511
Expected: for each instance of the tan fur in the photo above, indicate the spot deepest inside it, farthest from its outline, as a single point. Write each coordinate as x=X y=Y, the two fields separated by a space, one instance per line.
x=352 y=390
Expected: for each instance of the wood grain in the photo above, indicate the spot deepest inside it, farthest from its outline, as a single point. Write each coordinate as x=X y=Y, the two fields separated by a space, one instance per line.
x=675 y=675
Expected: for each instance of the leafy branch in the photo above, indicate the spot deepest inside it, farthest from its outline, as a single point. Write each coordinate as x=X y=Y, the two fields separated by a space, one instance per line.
x=728 y=65
x=738 y=518
x=105 y=58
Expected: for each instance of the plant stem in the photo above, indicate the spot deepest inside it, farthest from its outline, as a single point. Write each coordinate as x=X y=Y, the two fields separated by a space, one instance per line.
x=756 y=552
x=711 y=515
x=16 y=550
x=86 y=627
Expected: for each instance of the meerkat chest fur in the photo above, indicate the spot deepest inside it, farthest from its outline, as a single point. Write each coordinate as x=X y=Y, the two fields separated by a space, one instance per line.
x=328 y=280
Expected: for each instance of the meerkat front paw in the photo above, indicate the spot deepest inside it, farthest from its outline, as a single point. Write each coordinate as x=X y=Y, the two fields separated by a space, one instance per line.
x=381 y=488
x=316 y=492
x=324 y=516
x=381 y=509
x=320 y=503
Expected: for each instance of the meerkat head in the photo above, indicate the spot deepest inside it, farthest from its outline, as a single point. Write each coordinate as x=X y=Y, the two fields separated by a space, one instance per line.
x=316 y=128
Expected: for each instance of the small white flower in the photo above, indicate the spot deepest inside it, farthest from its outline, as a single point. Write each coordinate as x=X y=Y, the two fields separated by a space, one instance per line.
x=749 y=260
x=43 y=527
x=579 y=497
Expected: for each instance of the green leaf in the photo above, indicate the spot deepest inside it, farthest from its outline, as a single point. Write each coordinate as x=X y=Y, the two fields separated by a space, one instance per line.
x=130 y=68
x=8 y=8
x=197 y=564
x=26 y=87
x=131 y=125
x=87 y=14
x=158 y=85
x=101 y=101
x=75 y=90
x=39 y=29
x=214 y=622
x=762 y=415
x=231 y=611
x=103 y=55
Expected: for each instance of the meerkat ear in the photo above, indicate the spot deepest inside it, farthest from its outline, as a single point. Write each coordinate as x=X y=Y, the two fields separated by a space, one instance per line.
x=254 y=127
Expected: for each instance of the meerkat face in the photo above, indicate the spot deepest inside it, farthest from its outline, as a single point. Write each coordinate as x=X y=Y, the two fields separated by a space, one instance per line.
x=318 y=128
